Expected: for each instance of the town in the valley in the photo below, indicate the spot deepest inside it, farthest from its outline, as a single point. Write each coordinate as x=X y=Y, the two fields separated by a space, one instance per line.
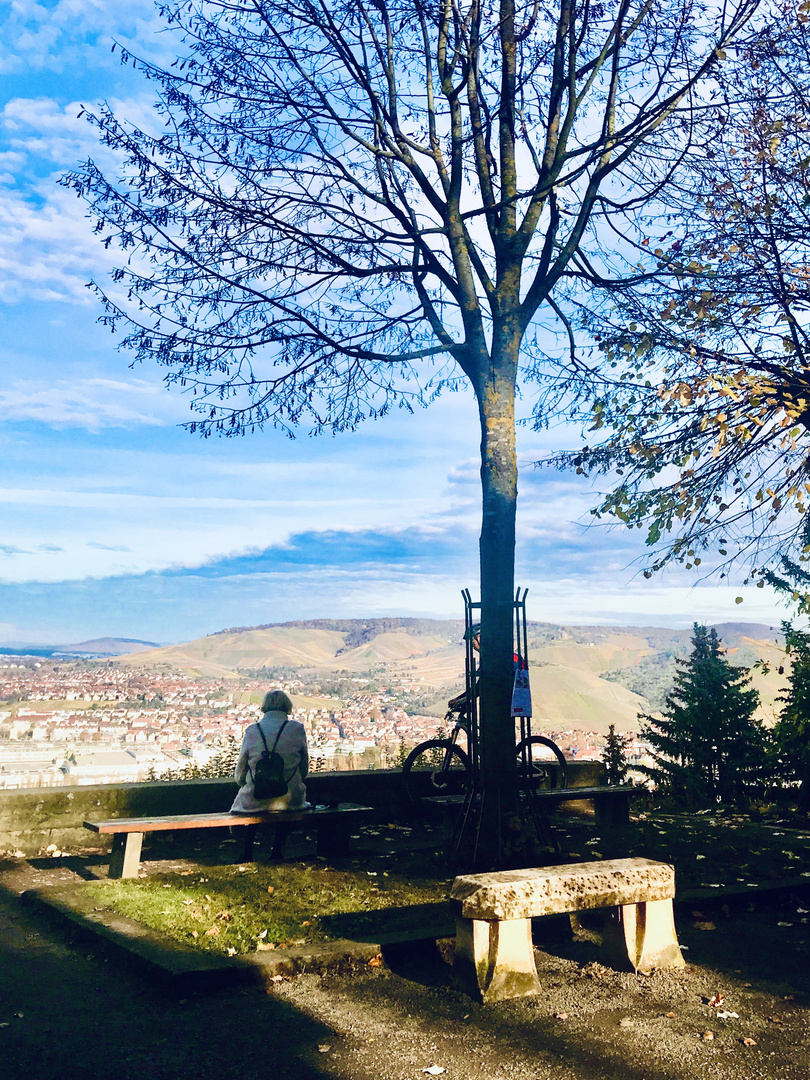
x=79 y=721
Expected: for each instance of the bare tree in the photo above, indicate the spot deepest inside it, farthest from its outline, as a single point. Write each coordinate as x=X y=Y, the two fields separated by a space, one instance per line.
x=351 y=204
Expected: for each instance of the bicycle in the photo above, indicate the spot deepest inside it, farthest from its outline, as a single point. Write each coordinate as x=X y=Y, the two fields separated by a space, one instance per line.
x=541 y=763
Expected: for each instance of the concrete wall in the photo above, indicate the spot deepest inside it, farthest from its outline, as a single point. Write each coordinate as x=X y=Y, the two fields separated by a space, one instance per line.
x=32 y=819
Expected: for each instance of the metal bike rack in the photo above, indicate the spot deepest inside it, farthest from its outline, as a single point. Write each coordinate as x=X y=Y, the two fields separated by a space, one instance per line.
x=467 y=828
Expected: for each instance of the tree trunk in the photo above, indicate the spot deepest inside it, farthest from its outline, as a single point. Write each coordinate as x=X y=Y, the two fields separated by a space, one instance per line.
x=499 y=821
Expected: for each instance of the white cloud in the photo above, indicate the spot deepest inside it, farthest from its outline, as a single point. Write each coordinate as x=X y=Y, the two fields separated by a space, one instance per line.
x=56 y=37
x=92 y=404
x=47 y=247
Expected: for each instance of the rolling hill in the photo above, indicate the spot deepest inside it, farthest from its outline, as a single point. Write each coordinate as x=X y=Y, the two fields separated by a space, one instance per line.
x=585 y=677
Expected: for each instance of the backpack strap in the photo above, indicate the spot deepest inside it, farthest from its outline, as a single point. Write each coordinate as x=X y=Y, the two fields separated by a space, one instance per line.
x=275 y=744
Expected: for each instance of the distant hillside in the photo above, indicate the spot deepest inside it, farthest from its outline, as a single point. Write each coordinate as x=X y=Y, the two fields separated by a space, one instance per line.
x=585 y=677
x=109 y=646
x=98 y=647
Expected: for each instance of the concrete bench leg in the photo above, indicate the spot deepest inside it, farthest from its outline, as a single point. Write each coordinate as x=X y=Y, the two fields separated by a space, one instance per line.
x=125 y=857
x=613 y=812
x=640 y=937
x=494 y=961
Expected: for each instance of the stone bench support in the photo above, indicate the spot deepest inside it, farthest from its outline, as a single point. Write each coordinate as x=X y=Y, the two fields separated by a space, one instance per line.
x=494 y=957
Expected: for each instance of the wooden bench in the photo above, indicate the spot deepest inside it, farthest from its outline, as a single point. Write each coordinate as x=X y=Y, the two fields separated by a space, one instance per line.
x=611 y=803
x=494 y=956
x=333 y=824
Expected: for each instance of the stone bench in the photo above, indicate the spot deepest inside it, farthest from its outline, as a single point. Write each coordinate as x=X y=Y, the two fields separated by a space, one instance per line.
x=333 y=825
x=494 y=957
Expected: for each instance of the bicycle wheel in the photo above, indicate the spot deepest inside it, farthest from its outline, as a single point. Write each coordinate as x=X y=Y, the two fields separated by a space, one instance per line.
x=541 y=762
x=444 y=777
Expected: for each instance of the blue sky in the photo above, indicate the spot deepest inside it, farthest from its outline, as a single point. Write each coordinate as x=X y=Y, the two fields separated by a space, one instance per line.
x=115 y=521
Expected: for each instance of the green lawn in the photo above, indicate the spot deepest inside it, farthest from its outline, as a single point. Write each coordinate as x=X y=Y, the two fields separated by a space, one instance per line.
x=248 y=907
x=242 y=908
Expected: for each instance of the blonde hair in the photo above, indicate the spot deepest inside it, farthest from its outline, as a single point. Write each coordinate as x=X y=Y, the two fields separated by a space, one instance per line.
x=276 y=700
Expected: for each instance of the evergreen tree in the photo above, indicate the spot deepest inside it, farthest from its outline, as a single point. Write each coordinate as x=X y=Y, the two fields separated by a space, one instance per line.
x=706 y=745
x=614 y=756
x=791 y=735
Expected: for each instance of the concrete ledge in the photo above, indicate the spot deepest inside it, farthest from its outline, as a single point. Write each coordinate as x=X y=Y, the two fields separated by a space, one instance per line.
x=183 y=968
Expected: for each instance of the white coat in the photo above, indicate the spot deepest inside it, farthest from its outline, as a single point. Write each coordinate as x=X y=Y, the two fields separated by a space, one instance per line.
x=292 y=745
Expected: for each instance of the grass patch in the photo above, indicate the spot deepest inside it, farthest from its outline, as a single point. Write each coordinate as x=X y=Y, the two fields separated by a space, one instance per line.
x=239 y=909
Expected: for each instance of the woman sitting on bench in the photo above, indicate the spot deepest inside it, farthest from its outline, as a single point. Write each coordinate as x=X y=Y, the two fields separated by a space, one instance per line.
x=275 y=731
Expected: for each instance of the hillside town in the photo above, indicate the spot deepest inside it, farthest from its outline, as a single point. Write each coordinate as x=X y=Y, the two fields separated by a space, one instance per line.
x=82 y=722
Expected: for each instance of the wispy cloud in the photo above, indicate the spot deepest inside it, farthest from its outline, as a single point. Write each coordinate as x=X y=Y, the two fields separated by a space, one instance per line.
x=47 y=247
x=92 y=404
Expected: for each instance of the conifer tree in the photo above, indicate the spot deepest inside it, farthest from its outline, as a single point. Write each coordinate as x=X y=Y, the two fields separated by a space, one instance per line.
x=707 y=744
x=614 y=756
x=791 y=735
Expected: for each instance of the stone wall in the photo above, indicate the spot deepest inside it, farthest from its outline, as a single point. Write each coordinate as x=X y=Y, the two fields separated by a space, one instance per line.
x=33 y=818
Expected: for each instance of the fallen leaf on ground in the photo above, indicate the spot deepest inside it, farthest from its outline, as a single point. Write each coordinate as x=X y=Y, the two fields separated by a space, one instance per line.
x=264 y=946
x=225 y=916
x=749 y=1042
x=325 y=1048
x=670 y=1016
x=561 y=1016
x=375 y=961
x=213 y=931
x=270 y=889
x=707 y=1035
x=231 y=951
x=306 y=922
x=187 y=902
x=716 y=1001
x=194 y=933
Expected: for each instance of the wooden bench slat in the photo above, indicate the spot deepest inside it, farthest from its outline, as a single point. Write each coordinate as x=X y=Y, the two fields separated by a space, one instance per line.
x=210 y=821
x=333 y=824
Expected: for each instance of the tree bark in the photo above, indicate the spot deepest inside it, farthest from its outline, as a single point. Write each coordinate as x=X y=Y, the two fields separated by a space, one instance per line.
x=496 y=403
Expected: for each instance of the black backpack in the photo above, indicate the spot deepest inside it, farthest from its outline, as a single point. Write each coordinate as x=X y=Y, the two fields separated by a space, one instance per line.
x=268 y=772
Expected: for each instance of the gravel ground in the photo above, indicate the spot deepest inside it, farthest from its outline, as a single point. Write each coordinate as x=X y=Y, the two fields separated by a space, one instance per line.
x=66 y=1011
x=589 y=1022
